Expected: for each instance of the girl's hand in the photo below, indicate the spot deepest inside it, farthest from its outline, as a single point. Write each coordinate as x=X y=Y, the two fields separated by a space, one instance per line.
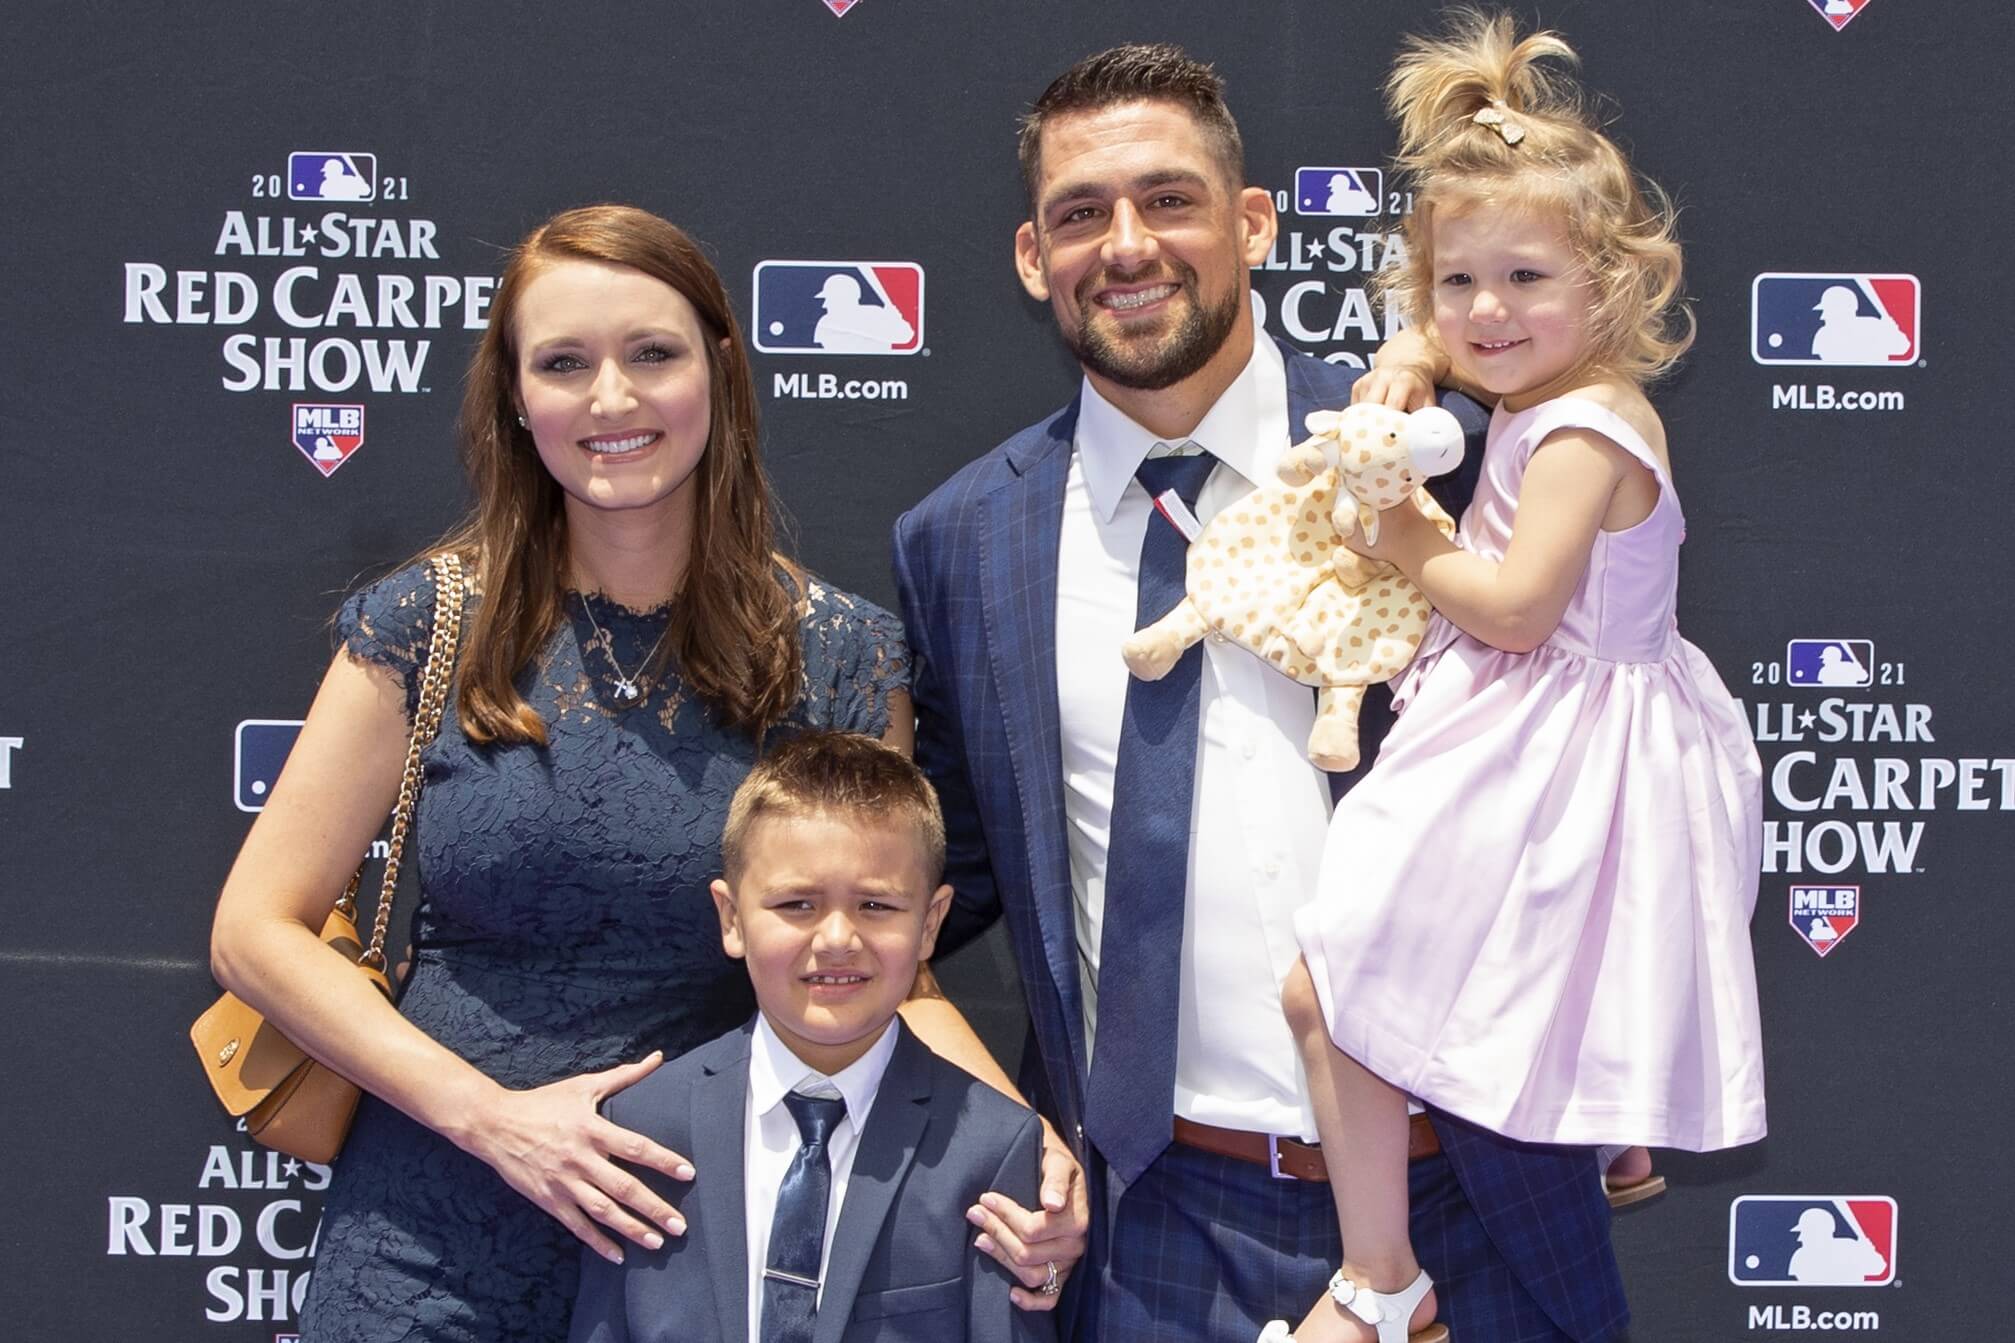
x=1026 y=1243
x=550 y=1145
x=1399 y=534
x=1405 y=387
x=1403 y=373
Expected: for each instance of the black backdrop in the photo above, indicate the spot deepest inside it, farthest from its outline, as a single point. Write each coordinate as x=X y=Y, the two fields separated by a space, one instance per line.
x=171 y=556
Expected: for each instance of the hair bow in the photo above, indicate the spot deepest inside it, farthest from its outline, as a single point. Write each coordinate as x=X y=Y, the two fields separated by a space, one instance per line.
x=1494 y=116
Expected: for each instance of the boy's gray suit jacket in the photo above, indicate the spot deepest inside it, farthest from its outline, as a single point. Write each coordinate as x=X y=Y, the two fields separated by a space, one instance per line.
x=902 y=1265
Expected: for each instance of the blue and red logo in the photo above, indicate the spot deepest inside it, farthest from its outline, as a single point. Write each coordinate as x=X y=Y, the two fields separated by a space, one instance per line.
x=1839 y=13
x=1824 y=915
x=258 y=754
x=839 y=307
x=1338 y=191
x=1812 y=1240
x=331 y=175
x=327 y=434
x=1830 y=662
x=1816 y=318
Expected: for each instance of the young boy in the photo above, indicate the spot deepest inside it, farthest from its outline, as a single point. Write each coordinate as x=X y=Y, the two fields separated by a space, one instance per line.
x=836 y=1155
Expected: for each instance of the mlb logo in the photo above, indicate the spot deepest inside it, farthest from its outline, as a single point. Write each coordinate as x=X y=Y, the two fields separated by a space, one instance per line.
x=330 y=175
x=839 y=307
x=1839 y=13
x=262 y=748
x=1848 y=320
x=1812 y=1240
x=1824 y=915
x=327 y=435
x=1338 y=191
x=1830 y=662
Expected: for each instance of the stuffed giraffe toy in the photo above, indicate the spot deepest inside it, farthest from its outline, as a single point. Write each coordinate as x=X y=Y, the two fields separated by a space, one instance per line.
x=1271 y=574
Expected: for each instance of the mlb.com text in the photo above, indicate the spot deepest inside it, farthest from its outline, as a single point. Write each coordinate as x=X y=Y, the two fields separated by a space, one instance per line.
x=830 y=387
x=1776 y=1318
x=1823 y=396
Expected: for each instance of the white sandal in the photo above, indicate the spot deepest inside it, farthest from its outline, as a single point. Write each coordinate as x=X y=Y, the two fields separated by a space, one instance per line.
x=1385 y=1312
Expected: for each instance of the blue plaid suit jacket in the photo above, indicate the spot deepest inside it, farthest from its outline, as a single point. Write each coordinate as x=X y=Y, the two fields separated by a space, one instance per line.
x=975 y=565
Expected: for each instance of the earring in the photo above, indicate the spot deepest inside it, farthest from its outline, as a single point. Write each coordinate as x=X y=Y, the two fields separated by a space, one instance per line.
x=522 y=424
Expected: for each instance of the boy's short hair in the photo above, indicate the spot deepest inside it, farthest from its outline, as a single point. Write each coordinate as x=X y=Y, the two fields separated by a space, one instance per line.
x=838 y=773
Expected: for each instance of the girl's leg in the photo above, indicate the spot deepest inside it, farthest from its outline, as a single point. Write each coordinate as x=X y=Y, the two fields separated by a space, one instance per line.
x=1363 y=1124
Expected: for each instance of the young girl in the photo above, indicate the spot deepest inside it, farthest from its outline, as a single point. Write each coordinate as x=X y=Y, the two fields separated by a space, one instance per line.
x=1535 y=909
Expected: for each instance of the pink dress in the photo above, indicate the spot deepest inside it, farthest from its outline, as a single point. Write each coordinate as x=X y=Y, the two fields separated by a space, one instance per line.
x=1534 y=911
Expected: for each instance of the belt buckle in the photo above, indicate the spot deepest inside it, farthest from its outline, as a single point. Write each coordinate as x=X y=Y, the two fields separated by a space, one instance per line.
x=1273 y=1159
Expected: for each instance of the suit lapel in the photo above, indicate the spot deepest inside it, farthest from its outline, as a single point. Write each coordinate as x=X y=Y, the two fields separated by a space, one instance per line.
x=888 y=1143
x=720 y=1104
x=1021 y=529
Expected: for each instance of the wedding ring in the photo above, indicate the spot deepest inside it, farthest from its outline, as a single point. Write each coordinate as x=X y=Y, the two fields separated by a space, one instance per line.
x=1051 y=1285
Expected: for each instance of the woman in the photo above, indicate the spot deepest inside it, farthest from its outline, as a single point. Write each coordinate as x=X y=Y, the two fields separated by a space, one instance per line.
x=631 y=638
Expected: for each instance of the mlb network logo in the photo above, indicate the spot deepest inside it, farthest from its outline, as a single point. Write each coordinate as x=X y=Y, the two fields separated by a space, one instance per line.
x=1818 y=318
x=262 y=748
x=1839 y=13
x=330 y=175
x=1830 y=662
x=839 y=307
x=1812 y=1240
x=1824 y=915
x=327 y=435
x=1338 y=191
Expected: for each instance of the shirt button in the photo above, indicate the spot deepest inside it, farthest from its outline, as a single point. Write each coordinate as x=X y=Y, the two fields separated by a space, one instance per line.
x=1250 y=749
x=1270 y=869
x=1217 y=636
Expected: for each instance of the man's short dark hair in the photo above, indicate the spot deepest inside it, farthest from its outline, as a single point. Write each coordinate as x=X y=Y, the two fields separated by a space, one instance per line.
x=1139 y=72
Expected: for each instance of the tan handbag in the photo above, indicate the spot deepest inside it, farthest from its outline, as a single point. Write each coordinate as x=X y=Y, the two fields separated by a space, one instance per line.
x=290 y=1102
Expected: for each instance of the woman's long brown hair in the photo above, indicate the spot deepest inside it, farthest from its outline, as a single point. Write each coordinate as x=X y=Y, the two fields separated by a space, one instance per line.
x=734 y=625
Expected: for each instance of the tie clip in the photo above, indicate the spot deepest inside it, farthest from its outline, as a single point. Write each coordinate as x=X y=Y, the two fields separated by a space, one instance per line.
x=1177 y=512
x=791 y=1278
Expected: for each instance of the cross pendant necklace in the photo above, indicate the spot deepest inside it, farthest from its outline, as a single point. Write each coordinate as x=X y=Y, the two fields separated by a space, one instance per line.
x=627 y=688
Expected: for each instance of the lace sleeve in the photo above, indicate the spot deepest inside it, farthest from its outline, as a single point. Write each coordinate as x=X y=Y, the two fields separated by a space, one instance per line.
x=389 y=625
x=855 y=658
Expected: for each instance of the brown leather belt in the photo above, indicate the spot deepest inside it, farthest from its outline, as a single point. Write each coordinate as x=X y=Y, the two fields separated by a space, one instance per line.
x=1287 y=1158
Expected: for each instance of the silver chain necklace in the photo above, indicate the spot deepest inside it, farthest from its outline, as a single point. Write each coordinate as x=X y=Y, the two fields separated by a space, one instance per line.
x=626 y=685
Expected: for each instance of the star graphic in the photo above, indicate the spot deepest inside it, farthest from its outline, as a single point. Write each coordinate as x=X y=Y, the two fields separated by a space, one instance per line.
x=307 y=233
x=291 y=1168
x=1807 y=719
x=1314 y=248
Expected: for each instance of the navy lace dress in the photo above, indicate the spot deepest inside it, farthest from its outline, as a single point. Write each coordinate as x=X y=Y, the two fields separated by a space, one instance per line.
x=564 y=927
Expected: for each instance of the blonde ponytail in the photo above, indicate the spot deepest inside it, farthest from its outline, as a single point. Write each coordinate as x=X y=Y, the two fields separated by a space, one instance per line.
x=1487 y=117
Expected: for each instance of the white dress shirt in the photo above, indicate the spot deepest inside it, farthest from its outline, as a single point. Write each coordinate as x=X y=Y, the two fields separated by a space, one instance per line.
x=771 y=1140
x=1260 y=810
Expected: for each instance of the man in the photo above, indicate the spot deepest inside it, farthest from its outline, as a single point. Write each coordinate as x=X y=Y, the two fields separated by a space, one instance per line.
x=1148 y=852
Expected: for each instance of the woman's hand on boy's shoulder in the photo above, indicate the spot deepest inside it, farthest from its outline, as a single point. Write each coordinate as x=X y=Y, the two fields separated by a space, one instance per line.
x=1035 y=1243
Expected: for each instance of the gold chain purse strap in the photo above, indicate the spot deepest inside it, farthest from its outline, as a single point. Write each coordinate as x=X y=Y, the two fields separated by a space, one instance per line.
x=289 y=1101
x=436 y=676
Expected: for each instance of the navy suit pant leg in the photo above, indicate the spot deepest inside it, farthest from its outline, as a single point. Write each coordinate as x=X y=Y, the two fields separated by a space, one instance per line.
x=1206 y=1248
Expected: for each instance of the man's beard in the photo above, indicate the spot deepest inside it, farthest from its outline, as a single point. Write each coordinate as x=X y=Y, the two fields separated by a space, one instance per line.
x=1200 y=334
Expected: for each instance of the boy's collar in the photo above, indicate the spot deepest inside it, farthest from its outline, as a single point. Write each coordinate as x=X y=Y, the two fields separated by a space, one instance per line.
x=775 y=1070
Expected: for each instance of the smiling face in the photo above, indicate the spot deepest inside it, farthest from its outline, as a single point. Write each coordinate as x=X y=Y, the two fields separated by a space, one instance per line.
x=612 y=379
x=833 y=913
x=1511 y=299
x=1141 y=246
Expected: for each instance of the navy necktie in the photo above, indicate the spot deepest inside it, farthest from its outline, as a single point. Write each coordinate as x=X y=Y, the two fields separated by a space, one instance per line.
x=798 y=1232
x=1130 y=1105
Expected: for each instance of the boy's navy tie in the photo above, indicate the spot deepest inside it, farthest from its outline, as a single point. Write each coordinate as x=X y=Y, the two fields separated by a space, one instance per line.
x=798 y=1232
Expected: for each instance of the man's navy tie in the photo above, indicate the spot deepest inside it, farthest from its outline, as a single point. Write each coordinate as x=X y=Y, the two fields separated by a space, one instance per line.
x=1130 y=1106
x=798 y=1233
